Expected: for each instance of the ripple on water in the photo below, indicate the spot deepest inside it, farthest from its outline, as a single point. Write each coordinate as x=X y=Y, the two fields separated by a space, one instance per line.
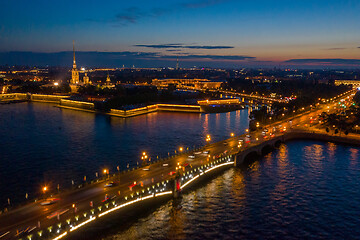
x=296 y=192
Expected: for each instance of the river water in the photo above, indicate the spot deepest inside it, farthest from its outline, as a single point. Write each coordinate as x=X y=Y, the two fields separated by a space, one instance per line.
x=303 y=190
x=45 y=145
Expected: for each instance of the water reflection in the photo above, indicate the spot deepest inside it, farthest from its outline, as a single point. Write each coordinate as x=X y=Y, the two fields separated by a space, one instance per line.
x=354 y=156
x=299 y=193
x=49 y=144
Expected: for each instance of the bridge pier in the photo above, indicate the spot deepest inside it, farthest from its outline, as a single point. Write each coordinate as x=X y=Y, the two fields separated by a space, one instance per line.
x=176 y=186
x=258 y=150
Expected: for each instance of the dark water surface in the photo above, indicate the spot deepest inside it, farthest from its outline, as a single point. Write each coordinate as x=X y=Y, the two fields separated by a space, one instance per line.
x=41 y=144
x=303 y=190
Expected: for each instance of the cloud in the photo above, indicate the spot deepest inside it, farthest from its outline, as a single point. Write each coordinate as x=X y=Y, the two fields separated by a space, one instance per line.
x=171 y=45
x=335 y=49
x=202 y=4
x=209 y=47
x=326 y=61
x=115 y=59
x=133 y=14
x=213 y=57
x=130 y=15
x=179 y=45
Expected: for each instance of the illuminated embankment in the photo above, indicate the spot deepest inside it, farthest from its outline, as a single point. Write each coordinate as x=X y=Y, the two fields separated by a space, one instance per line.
x=32 y=97
x=155 y=108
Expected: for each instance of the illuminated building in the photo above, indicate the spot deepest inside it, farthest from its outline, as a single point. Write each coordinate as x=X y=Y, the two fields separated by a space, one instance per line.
x=188 y=83
x=86 y=79
x=108 y=82
x=74 y=71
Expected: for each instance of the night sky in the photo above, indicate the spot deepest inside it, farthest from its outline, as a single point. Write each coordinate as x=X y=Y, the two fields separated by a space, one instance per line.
x=202 y=33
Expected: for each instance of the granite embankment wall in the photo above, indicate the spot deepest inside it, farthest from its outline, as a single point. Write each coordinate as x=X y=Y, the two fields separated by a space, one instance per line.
x=31 y=97
x=154 y=108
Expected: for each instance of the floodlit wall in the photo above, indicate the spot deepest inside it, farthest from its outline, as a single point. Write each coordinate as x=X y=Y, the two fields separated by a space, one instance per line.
x=46 y=98
x=154 y=108
x=77 y=104
x=14 y=97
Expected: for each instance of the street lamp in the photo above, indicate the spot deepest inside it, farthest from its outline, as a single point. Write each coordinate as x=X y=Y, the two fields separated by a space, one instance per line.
x=232 y=134
x=106 y=173
x=181 y=149
x=44 y=189
x=144 y=156
x=208 y=138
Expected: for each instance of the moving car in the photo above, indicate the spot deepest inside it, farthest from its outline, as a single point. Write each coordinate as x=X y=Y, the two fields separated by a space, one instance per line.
x=49 y=201
x=108 y=198
x=110 y=184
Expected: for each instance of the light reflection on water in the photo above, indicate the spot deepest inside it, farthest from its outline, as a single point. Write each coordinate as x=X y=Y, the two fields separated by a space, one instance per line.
x=43 y=144
x=303 y=190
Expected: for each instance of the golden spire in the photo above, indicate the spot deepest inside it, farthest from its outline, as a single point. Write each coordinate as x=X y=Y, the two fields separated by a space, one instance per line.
x=74 y=63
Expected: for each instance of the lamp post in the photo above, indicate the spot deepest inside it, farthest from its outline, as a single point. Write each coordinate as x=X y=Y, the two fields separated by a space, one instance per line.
x=44 y=189
x=106 y=173
x=144 y=157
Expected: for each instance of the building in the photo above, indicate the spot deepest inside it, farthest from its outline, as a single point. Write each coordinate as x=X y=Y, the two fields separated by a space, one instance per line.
x=74 y=72
x=188 y=83
x=108 y=83
x=86 y=79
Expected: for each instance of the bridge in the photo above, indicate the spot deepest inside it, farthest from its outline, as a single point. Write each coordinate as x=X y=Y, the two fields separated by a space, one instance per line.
x=69 y=213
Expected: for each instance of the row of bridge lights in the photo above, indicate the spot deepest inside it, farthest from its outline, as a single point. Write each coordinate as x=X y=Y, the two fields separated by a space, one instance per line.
x=208 y=167
x=144 y=157
x=106 y=172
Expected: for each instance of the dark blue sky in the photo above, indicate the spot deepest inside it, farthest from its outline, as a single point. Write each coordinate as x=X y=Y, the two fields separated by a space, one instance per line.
x=205 y=32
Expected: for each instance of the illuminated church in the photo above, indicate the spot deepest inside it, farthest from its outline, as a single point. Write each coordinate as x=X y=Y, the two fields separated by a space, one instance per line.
x=74 y=72
x=75 y=81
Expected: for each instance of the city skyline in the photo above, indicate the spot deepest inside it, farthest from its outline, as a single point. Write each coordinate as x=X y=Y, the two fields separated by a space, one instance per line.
x=202 y=33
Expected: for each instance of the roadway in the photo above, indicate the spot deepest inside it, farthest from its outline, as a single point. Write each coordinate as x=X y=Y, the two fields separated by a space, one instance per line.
x=30 y=216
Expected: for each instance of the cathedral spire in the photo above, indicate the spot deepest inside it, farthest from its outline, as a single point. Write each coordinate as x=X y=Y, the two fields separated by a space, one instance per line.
x=74 y=72
x=74 y=62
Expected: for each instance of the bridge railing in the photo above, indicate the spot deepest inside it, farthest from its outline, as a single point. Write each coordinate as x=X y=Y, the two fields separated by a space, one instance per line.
x=58 y=229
